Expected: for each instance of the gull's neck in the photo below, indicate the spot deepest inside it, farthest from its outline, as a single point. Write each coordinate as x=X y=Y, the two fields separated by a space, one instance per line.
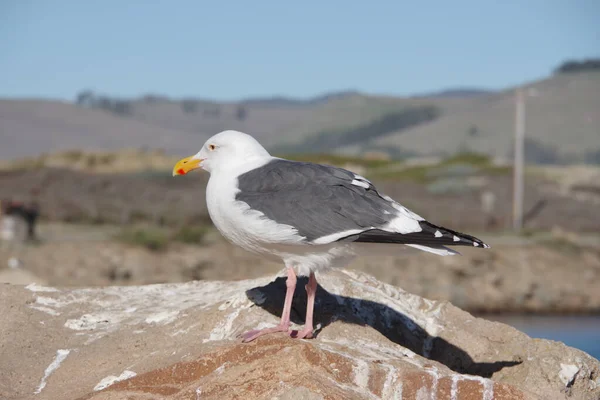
x=237 y=168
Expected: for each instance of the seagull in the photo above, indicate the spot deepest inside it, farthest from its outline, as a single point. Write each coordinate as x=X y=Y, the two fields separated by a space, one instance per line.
x=313 y=217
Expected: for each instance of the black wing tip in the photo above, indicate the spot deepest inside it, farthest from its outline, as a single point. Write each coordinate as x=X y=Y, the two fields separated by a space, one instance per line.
x=426 y=237
x=458 y=238
x=430 y=235
x=481 y=244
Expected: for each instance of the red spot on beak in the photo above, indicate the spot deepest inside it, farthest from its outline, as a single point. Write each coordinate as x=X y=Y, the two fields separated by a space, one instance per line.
x=181 y=171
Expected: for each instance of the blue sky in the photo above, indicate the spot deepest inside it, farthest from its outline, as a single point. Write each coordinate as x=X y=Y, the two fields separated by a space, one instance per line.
x=231 y=50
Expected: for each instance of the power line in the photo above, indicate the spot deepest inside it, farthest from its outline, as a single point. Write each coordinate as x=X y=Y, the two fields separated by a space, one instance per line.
x=518 y=180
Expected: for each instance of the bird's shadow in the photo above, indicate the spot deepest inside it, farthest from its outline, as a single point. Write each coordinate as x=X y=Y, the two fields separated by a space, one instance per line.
x=394 y=325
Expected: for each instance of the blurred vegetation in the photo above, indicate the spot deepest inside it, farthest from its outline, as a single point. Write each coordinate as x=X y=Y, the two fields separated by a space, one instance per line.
x=87 y=98
x=158 y=238
x=571 y=66
x=151 y=238
x=535 y=150
x=592 y=157
x=127 y=107
x=125 y=160
x=562 y=245
x=189 y=106
x=468 y=158
x=386 y=124
x=191 y=234
x=468 y=163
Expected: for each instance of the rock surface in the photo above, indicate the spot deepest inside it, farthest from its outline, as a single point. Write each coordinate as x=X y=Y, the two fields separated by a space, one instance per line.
x=178 y=341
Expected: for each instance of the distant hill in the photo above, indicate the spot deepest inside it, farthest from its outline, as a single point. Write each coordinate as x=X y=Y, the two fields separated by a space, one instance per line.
x=32 y=127
x=283 y=101
x=457 y=93
x=562 y=122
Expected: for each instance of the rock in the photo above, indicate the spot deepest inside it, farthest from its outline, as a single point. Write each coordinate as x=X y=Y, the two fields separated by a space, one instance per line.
x=178 y=341
x=18 y=276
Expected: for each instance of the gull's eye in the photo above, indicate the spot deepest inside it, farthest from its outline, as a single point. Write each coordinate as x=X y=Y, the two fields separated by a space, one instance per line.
x=212 y=147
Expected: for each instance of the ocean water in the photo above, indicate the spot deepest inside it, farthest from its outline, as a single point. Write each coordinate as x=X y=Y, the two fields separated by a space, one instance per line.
x=581 y=332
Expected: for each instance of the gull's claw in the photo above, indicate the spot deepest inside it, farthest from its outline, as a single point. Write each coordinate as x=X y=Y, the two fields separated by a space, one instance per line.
x=303 y=334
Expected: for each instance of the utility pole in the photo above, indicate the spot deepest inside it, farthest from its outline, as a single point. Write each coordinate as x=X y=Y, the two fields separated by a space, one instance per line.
x=518 y=160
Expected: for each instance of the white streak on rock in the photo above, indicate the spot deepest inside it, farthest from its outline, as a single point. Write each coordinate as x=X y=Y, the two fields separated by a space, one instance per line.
x=423 y=394
x=398 y=392
x=567 y=372
x=220 y=370
x=162 y=318
x=47 y=310
x=456 y=238
x=361 y=374
x=387 y=392
x=434 y=386
x=88 y=322
x=186 y=330
x=372 y=350
x=454 y=387
x=46 y=301
x=488 y=389
x=59 y=358
x=438 y=234
x=34 y=287
x=223 y=329
x=111 y=379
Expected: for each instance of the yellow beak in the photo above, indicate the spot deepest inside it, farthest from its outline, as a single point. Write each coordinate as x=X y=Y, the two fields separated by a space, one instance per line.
x=186 y=165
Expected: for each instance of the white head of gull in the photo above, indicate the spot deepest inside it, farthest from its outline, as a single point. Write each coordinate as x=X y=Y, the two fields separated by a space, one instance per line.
x=310 y=216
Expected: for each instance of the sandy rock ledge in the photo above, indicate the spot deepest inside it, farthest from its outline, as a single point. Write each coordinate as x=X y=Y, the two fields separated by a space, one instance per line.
x=178 y=341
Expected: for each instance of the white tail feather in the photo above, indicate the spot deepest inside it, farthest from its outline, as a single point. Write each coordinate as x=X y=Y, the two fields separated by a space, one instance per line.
x=440 y=251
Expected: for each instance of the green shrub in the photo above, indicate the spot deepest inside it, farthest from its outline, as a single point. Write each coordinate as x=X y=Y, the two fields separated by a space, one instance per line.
x=474 y=159
x=191 y=234
x=418 y=174
x=152 y=239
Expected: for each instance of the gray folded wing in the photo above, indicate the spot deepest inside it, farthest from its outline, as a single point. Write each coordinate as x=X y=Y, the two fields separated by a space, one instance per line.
x=317 y=200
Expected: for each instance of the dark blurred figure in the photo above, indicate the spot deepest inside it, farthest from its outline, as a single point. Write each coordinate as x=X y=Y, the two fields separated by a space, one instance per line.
x=29 y=212
x=32 y=214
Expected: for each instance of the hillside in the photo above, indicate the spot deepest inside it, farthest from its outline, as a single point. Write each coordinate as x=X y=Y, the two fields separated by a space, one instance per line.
x=31 y=127
x=562 y=122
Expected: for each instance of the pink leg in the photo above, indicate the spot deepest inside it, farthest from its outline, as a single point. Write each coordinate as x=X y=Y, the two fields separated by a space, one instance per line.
x=311 y=291
x=284 y=325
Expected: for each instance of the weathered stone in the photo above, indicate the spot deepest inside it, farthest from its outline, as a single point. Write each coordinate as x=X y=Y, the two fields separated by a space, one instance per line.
x=178 y=341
